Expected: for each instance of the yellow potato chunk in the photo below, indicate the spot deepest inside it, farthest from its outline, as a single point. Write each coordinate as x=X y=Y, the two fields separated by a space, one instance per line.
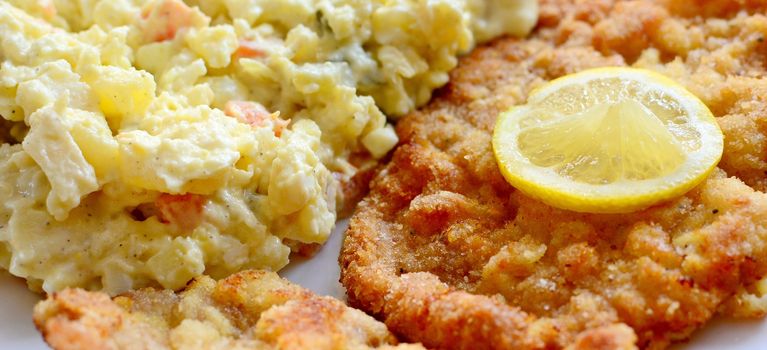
x=91 y=133
x=214 y=44
x=293 y=175
x=297 y=185
x=121 y=91
x=49 y=83
x=188 y=150
x=56 y=152
x=380 y=141
x=177 y=263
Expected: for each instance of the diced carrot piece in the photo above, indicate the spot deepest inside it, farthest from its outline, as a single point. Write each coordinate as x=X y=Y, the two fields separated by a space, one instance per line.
x=184 y=210
x=49 y=10
x=256 y=115
x=249 y=49
x=247 y=112
x=165 y=18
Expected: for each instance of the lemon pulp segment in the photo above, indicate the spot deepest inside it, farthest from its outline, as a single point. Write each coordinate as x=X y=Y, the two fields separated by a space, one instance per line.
x=604 y=144
x=608 y=140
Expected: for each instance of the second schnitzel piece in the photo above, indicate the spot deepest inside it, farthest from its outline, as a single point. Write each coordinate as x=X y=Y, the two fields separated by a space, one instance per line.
x=447 y=253
x=248 y=310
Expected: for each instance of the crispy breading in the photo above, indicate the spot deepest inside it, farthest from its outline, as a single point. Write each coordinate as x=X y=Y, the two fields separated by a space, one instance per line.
x=449 y=254
x=248 y=310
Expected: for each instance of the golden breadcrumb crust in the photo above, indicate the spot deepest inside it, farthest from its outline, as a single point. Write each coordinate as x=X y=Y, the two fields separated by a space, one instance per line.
x=449 y=254
x=248 y=310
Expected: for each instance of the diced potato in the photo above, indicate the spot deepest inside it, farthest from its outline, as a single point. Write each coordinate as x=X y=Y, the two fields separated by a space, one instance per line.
x=214 y=44
x=54 y=81
x=8 y=107
x=304 y=43
x=122 y=92
x=91 y=133
x=183 y=76
x=56 y=152
x=297 y=186
x=380 y=141
x=188 y=150
x=177 y=263
x=155 y=57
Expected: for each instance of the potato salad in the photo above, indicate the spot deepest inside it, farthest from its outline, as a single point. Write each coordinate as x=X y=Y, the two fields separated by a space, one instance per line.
x=145 y=143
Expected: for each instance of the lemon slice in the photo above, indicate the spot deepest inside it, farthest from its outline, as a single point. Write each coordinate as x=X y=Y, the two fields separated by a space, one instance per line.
x=608 y=140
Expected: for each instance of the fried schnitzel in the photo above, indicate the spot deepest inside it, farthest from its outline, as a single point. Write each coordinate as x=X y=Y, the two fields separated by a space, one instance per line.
x=447 y=253
x=248 y=310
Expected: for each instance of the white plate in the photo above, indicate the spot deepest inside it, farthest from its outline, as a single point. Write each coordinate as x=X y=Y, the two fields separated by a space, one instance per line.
x=320 y=274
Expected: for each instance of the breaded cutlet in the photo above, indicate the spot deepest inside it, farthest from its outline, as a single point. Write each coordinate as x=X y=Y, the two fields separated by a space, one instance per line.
x=447 y=253
x=249 y=310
